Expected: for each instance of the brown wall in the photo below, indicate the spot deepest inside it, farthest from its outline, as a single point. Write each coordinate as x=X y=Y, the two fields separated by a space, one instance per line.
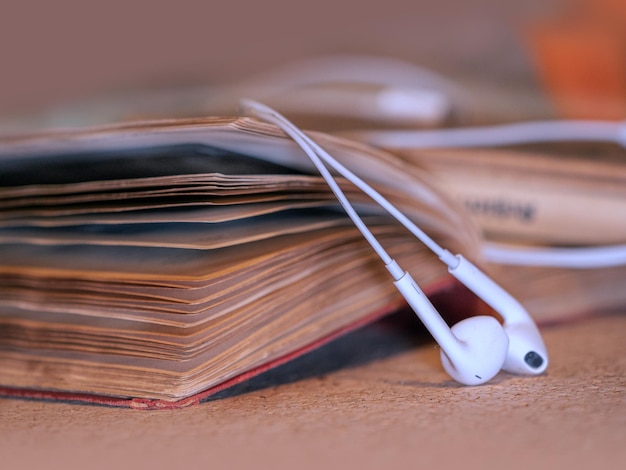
x=63 y=50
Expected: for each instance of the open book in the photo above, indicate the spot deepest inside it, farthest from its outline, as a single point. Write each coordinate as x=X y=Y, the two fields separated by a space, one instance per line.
x=152 y=264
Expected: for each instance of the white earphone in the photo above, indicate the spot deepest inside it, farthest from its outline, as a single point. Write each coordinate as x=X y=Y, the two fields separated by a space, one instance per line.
x=474 y=350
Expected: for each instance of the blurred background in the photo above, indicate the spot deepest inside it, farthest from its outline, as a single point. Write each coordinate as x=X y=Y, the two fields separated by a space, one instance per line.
x=568 y=55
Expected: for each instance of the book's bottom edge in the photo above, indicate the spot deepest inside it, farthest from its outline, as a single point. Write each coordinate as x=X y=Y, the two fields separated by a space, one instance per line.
x=163 y=404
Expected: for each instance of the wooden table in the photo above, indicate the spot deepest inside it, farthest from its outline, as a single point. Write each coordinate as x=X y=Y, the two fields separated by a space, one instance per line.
x=376 y=398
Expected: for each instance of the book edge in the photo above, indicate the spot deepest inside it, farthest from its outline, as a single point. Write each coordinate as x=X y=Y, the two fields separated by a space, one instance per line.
x=445 y=285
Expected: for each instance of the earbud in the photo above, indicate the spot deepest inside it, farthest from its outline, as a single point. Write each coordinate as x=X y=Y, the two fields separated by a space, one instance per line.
x=472 y=351
x=484 y=350
x=527 y=352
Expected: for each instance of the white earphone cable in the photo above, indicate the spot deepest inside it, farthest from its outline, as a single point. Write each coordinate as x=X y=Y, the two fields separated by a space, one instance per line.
x=272 y=116
x=571 y=258
x=506 y=134
x=447 y=257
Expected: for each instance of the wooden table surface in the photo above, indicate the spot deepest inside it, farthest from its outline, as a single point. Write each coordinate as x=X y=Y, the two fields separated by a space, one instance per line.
x=376 y=398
